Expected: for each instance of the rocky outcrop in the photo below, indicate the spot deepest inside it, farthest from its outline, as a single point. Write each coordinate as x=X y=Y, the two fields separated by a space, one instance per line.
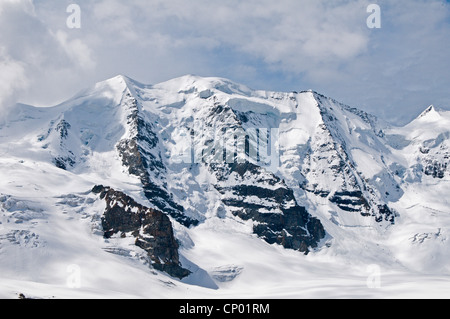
x=434 y=156
x=271 y=205
x=59 y=133
x=64 y=162
x=350 y=201
x=435 y=169
x=152 y=229
x=63 y=128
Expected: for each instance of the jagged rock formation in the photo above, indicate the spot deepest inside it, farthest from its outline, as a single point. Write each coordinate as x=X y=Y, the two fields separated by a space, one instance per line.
x=270 y=203
x=152 y=229
x=435 y=156
x=140 y=155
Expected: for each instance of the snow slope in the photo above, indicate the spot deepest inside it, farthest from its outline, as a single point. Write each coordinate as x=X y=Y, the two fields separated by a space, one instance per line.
x=379 y=192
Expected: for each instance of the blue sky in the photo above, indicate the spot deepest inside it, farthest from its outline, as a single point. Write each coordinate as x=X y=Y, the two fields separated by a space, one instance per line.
x=394 y=72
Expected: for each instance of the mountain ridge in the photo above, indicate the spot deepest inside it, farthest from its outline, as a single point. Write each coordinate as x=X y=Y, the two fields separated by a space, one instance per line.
x=289 y=170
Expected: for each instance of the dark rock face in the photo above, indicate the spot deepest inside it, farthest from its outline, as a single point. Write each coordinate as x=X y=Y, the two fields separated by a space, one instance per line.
x=64 y=162
x=435 y=169
x=435 y=156
x=151 y=228
x=293 y=229
x=354 y=202
x=385 y=213
x=290 y=226
x=63 y=128
x=350 y=201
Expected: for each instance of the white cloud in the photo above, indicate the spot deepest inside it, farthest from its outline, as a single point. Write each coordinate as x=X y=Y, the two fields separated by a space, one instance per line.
x=298 y=35
x=319 y=44
x=12 y=80
x=77 y=50
x=12 y=72
x=33 y=56
x=116 y=18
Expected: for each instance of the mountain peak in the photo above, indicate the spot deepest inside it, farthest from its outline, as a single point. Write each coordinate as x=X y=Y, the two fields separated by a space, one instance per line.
x=116 y=81
x=119 y=77
x=121 y=82
x=111 y=89
x=195 y=83
x=430 y=114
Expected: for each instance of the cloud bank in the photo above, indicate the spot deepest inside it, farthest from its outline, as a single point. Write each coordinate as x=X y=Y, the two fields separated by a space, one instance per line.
x=394 y=72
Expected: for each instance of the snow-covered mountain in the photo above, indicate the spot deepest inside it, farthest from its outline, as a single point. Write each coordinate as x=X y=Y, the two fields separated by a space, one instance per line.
x=203 y=187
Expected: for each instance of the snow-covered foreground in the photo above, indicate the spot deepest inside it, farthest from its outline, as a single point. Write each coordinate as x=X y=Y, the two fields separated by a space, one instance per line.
x=50 y=248
x=52 y=244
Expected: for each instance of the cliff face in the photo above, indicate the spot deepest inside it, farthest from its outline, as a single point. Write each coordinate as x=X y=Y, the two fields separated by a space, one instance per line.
x=152 y=229
x=270 y=204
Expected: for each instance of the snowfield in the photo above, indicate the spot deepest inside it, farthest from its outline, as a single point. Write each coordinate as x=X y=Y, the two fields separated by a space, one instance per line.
x=51 y=236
